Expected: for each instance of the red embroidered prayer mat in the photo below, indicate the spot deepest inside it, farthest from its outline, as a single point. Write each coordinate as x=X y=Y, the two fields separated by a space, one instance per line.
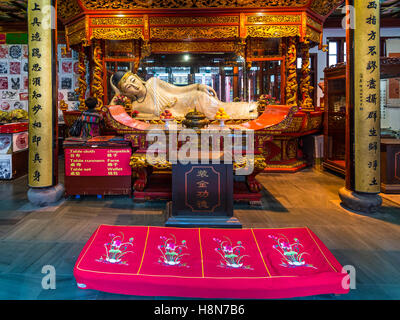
x=208 y=263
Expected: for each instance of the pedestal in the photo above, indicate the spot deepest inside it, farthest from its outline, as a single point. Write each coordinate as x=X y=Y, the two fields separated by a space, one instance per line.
x=362 y=202
x=202 y=196
x=200 y=222
x=45 y=196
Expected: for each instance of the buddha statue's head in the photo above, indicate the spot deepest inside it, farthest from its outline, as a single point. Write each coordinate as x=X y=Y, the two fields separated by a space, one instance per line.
x=128 y=84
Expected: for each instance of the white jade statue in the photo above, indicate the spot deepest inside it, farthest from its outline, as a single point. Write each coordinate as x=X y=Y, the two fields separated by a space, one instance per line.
x=150 y=98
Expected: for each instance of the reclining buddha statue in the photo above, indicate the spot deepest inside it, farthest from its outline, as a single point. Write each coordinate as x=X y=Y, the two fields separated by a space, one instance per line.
x=150 y=98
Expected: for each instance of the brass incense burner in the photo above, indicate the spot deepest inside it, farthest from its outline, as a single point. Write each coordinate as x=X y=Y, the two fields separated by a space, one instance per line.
x=195 y=120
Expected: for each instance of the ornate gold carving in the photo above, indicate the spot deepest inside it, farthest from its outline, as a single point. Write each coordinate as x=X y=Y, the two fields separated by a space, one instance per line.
x=171 y=33
x=313 y=35
x=240 y=48
x=193 y=20
x=306 y=89
x=274 y=19
x=222 y=46
x=138 y=161
x=117 y=21
x=146 y=49
x=167 y=4
x=258 y=162
x=125 y=46
x=81 y=24
x=76 y=33
x=291 y=64
x=63 y=105
x=68 y=8
x=76 y=37
x=314 y=23
x=81 y=90
x=97 y=82
x=271 y=31
x=323 y=7
x=260 y=45
x=117 y=33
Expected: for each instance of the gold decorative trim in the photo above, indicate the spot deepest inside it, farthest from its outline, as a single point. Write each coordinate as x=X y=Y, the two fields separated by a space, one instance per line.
x=171 y=4
x=97 y=82
x=260 y=44
x=193 y=20
x=76 y=33
x=117 y=33
x=291 y=67
x=223 y=46
x=76 y=37
x=126 y=46
x=172 y=33
x=68 y=9
x=81 y=90
x=140 y=161
x=117 y=21
x=313 y=35
x=81 y=24
x=306 y=89
x=313 y=23
x=323 y=7
x=273 y=19
x=268 y=31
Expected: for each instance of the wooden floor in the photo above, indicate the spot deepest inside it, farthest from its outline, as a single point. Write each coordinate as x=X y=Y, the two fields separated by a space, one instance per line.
x=31 y=238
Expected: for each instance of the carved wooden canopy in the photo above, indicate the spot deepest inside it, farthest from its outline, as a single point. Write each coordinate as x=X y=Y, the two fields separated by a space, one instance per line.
x=191 y=20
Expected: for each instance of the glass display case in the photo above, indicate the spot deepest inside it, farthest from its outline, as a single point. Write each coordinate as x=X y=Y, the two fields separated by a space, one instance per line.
x=224 y=72
x=335 y=118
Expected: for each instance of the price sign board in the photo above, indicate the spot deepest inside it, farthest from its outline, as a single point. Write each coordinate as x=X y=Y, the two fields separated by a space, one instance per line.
x=97 y=162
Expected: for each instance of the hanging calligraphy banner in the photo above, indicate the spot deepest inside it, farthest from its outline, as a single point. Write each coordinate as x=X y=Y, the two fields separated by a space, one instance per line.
x=40 y=15
x=367 y=97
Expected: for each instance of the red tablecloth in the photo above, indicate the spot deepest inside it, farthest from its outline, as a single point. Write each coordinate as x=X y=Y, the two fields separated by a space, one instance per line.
x=208 y=263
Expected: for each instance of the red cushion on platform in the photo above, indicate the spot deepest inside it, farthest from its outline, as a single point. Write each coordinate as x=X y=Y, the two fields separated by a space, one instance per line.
x=208 y=263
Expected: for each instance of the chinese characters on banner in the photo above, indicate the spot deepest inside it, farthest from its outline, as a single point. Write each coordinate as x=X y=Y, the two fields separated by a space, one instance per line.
x=40 y=94
x=367 y=97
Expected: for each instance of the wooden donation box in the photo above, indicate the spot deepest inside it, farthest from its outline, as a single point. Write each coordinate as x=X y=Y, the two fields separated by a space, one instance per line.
x=390 y=165
x=202 y=194
x=99 y=166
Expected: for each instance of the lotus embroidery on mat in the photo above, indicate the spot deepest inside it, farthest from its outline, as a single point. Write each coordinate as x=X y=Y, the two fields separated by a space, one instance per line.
x=172 y=253
x=116 y=249
x=291 y=253
x=231 y=255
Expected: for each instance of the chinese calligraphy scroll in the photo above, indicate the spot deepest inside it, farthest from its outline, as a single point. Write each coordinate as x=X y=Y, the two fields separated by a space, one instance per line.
x=40 y=18
x=367 y=99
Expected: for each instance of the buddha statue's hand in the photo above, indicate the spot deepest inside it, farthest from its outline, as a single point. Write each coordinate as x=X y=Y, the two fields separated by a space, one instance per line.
x=207 y=89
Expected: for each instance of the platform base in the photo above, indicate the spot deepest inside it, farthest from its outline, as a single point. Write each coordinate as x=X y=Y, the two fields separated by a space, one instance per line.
x=45 y=196
x=200 y=221
x=362 y=202
x=288 y=167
